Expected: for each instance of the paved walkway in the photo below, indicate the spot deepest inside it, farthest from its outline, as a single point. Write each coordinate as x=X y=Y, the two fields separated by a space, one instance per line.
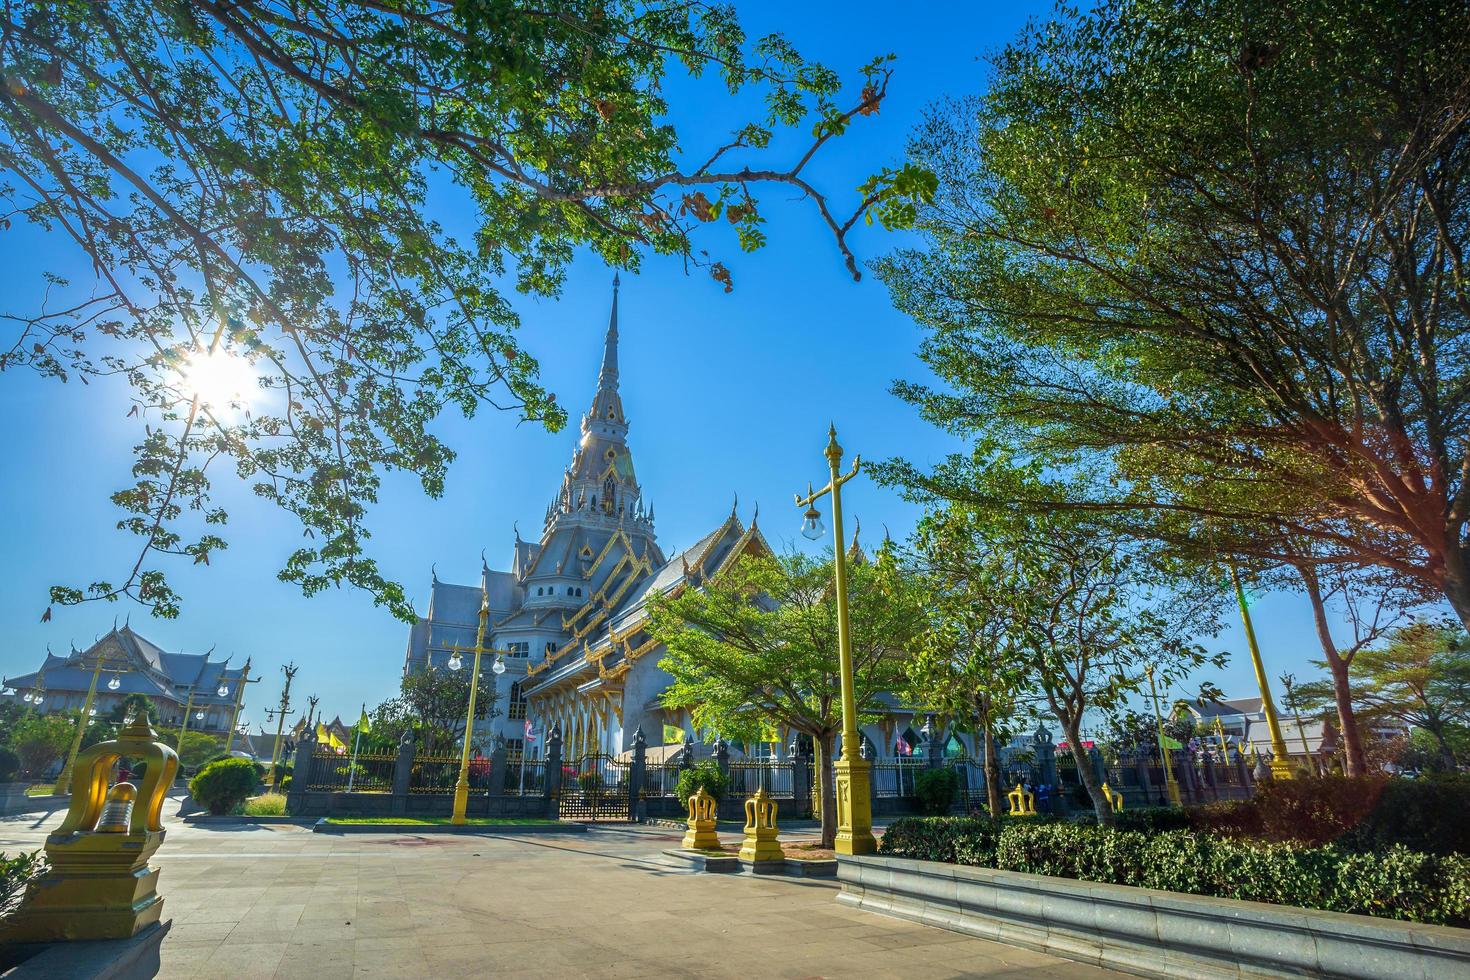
x=280 y=901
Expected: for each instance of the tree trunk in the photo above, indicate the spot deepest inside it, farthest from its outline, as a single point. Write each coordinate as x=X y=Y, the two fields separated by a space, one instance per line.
x=992 y=765
x=827 y=794
x=1100 y=804
x=1355 y=759
x=1352 y=741
x=1456 y=586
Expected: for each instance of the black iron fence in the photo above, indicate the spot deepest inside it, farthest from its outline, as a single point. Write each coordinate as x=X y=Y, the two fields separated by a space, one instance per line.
x=334 y=772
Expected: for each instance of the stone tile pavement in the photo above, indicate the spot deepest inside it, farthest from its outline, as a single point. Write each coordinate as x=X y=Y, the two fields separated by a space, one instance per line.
x=280 y=902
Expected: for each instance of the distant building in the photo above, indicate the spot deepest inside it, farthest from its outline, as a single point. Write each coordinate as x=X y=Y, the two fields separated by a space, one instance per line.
x=133 y=665
x=1244 y=724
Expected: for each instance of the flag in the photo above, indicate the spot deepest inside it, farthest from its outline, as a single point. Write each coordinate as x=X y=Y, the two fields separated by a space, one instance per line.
x=673 y=735
x=362 y=721
x=530 y=732
x=902 y=747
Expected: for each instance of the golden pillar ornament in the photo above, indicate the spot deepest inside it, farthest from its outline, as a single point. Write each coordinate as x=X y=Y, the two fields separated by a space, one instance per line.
x=100 y=885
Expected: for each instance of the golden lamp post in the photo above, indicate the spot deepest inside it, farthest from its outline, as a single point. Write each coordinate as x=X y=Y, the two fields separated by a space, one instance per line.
x=63 y=781
x=280 y=718
x=854 y=807
x=1280 y=766
x=462 y=786
x=224 y=692
x=1164 y=757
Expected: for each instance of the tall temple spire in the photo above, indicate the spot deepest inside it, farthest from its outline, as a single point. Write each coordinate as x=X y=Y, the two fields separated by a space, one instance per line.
x=609 y=373
x=607 y=406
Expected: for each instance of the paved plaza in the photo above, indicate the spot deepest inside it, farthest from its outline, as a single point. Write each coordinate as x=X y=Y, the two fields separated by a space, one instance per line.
x=279 y=901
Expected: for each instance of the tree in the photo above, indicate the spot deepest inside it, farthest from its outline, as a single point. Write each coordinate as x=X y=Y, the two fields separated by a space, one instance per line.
x=1208 y=258
x=248 y=182
x=756 y=646
x=1372 y=602
x=40 y=740
x=1081 y=608
x=129 y=707
x=1420 y=677
x=961 y=666
x=197 y=747
x=432 y=704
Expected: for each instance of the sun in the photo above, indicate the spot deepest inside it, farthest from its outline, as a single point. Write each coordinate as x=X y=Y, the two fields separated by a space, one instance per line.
x=221 y=379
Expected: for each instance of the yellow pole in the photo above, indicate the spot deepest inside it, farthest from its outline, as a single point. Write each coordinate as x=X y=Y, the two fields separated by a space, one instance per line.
x=1164 y=757
x=239 y=699
x=462 y=787
x=854 y=805
x=290 y=671
x=1280 y=767
x=63 y=781
x=188 y=707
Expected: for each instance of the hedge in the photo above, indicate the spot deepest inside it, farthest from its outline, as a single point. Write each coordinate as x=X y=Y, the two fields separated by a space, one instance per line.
x=1365 y=815
x=1396 y=883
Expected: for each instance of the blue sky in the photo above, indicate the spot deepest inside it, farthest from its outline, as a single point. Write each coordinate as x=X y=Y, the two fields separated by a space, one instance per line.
x=727 y=394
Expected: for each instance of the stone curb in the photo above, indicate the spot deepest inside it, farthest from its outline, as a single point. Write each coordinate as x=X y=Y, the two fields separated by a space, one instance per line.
x=497 y=830
x=209 y=818
x=732 y=864
x=1147 y=932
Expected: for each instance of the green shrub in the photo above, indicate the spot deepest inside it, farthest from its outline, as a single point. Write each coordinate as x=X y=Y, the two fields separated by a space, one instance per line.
x=265 y=805
x=285 y=786
x=15 y=874
x=706 y=774
x=223 y=785
x=1394 y=883
x=1367 y=814
x=9 y=764
x=956 y=840
x=937 y=789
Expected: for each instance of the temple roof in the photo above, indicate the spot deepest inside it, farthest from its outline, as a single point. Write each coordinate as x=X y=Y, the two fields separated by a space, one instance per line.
x=146 y=669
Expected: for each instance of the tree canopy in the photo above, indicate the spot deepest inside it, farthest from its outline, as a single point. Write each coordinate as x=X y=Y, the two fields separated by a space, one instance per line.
x=1208 y=259
x=756 y=646
x=249 y=185
x=432 y=704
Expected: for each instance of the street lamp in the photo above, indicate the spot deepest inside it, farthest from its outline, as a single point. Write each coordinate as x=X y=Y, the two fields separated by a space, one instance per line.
x=854 y=808
x=63 y=779
x=1164 y=758
x=1280 y=767
x=278 y=715
x=462 y=786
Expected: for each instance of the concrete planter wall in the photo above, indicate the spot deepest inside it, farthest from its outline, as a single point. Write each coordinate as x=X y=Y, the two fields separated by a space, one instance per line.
x=1151 y=933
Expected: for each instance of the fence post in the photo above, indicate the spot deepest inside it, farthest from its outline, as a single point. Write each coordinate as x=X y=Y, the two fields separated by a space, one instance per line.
x=635 y=777
x=553 y=772
x=1099 y=768
x=1046 y=764
x=301 y=771
x=402 y=774
x=801 y=778
x=497 y=769
x=722 y=756
x=1210 y=773
x=686 y=757
x=1145 y=784
x=934 y=748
